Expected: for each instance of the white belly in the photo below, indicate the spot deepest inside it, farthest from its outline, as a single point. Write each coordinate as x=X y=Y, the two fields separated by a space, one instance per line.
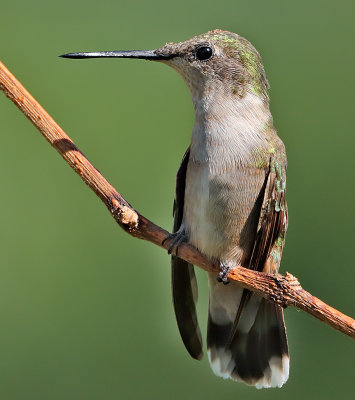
x=219 y=214
x=202 y=233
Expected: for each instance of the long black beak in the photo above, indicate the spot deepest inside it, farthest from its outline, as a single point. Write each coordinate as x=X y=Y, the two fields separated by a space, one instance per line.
x=141 y=54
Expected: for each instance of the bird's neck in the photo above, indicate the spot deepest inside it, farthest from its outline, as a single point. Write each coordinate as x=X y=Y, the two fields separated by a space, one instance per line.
x=228 y=128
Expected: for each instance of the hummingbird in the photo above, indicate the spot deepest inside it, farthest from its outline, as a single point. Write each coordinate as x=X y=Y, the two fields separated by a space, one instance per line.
x=230 y=203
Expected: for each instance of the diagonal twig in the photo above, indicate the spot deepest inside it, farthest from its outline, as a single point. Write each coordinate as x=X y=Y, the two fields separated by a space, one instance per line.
x=283 y=290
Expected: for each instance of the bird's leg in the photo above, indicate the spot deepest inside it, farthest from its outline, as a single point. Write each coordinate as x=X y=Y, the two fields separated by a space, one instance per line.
x=176 y=238
x=223 y=275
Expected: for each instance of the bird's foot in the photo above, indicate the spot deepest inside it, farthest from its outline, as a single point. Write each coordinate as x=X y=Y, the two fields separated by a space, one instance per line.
x=176 y=239
x=223 y=275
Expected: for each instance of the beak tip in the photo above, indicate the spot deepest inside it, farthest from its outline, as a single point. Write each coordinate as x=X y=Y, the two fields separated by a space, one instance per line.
x=67 y=55
x=74 y=55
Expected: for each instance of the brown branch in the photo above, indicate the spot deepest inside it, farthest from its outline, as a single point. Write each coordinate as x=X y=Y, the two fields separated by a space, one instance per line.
x=284 y=290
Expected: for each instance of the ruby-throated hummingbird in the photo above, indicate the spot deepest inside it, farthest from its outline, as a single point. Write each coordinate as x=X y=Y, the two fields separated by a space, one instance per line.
x=229 y=203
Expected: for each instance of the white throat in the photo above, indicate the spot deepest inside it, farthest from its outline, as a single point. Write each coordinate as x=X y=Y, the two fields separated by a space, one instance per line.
x=228 y=129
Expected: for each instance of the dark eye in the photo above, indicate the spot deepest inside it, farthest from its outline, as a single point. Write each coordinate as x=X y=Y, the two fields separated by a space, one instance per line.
x=204 y=53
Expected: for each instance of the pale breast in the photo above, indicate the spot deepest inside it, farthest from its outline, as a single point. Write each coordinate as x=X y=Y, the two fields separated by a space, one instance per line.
x=221 y=210
x=198 y=225
x=223 y=185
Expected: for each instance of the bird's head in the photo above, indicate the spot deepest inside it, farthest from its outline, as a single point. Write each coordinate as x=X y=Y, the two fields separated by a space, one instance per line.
x=214 y=59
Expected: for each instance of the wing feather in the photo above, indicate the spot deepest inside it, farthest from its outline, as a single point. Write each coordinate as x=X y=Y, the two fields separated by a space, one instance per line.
x=273 y=221
x=184 y=284
x=269 y=242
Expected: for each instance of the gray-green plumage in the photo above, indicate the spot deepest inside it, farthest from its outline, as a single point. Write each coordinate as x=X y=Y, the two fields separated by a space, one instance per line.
x=230 y=203
x=233 y=209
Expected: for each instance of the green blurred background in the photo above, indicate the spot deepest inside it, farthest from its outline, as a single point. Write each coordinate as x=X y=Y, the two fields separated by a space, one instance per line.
x=85 y=309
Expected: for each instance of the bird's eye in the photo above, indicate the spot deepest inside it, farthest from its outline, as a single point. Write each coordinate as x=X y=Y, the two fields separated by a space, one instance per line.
x=204 y=53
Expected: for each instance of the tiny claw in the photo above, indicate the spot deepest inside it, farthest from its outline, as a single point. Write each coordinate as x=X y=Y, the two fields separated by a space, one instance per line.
x=223 y=275
x=176 y=239
x=167 y=237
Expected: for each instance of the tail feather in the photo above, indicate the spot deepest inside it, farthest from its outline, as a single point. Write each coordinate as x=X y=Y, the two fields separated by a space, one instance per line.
x=254 y=350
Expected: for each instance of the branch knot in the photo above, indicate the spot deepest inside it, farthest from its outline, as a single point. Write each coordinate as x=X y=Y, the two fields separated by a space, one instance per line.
x=124 y=215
